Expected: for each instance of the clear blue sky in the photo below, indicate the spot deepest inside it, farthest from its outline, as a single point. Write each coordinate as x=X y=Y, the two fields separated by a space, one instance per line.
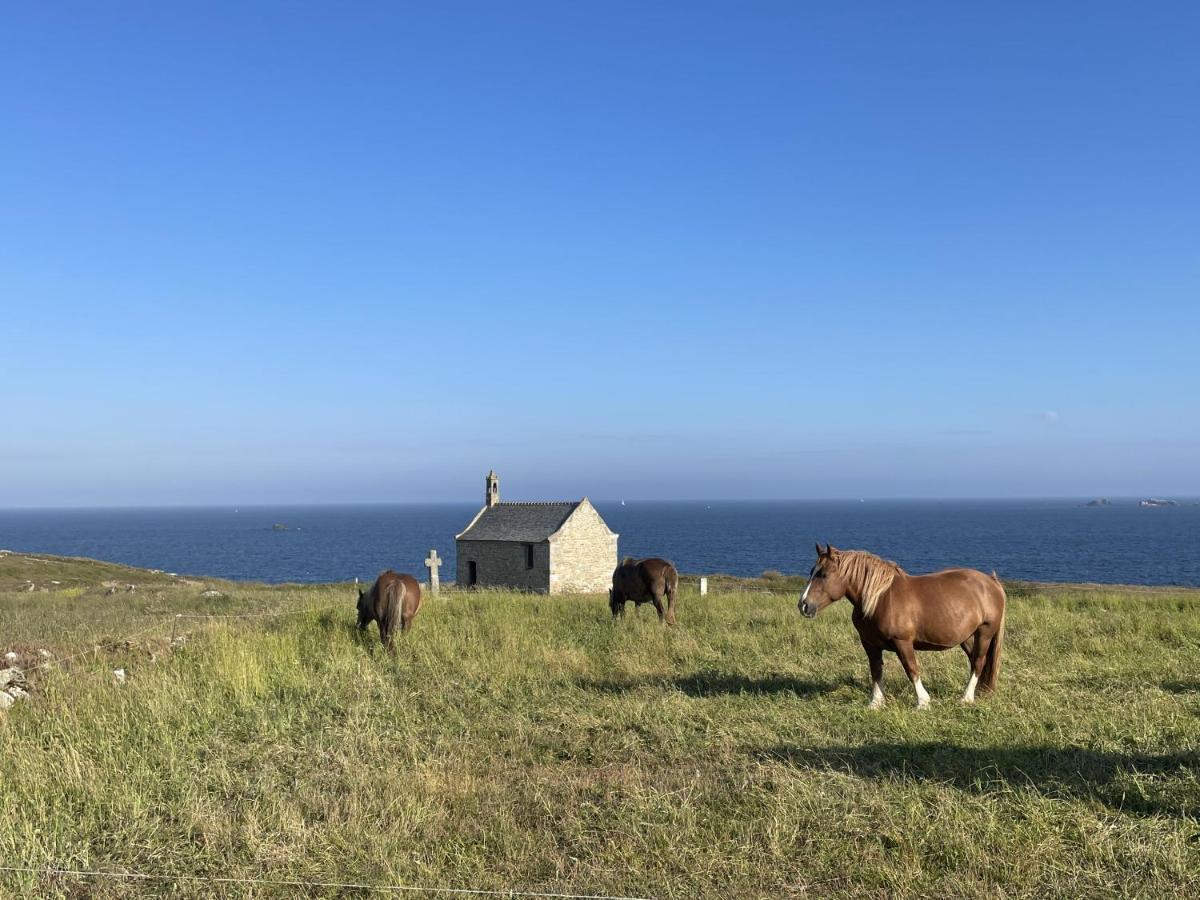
x=256 y=252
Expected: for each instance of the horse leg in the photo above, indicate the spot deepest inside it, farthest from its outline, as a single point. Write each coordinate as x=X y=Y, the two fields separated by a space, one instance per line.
x=983 y=644
x=654 y=598
x=976 y=650
x=875 y=659
x=908 y=659
x=385 y=637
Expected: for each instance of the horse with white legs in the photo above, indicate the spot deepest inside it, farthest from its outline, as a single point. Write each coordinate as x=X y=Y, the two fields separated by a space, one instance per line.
x=904 y=613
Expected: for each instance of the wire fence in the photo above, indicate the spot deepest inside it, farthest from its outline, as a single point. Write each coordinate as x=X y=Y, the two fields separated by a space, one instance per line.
x=57 y=662
x=161 y=622
x=364 y=887
x=261 y=614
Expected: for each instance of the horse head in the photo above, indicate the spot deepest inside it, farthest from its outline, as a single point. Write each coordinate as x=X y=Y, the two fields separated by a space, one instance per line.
x=365 y=613
x=826 y=583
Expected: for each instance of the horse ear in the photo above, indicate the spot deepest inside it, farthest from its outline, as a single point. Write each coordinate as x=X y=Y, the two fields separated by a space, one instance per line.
x=830 y=550
x=820 y=552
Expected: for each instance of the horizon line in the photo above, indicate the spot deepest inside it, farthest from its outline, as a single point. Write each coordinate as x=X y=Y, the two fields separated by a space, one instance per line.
x=1117 y=498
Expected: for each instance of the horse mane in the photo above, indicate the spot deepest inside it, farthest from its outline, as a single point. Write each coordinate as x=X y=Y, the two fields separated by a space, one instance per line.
x=870 y=574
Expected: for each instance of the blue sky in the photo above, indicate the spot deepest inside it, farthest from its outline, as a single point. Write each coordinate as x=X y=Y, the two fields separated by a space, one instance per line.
x=346 y=252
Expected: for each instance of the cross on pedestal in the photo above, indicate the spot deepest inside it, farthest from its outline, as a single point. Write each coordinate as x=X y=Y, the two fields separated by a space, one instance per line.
x=431 y=563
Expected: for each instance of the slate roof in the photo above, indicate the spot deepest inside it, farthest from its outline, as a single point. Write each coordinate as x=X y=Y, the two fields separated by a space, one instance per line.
x=528 y=523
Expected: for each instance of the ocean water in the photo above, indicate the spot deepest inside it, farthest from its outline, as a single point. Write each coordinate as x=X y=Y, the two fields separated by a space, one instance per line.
x=1041 y=540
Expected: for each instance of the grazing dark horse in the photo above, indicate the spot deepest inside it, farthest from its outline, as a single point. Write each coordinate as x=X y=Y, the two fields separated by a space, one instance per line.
x=645 y=581
x=904 y=613
x=392 y=599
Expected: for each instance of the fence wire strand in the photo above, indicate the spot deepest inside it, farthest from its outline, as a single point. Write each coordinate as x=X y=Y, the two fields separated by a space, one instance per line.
x=298 y=883
x=161 y=623
x=271 y=882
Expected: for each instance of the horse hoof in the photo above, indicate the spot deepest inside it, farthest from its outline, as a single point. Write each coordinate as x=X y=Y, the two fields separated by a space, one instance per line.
x=875 y=704
x=923 y=704
x=967 y=701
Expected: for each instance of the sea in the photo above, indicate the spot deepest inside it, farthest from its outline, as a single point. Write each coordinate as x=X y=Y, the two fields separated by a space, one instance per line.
x=1060 y=540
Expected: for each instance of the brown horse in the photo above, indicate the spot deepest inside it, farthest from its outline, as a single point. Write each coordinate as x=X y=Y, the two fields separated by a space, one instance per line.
x=392 y=598
x=645 y=581
x=904 y=613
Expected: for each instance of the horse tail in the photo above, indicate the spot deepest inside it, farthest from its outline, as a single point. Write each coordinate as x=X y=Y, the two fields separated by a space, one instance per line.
x=408 y=611
x=393 y=605
x=991 y=668
x=671 y=589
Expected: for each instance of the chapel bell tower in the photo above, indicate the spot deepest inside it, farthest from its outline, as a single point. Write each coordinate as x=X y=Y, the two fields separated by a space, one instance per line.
x=493 y=489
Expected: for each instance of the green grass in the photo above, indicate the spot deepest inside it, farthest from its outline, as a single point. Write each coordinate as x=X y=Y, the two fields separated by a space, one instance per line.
x=522 y=742
x=44 y=573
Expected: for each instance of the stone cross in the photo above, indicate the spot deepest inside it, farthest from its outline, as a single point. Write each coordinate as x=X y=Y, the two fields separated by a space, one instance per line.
x=431 y=563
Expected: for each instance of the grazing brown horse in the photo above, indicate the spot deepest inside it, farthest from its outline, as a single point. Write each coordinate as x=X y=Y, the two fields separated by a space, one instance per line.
x=904 y=613
x=392 y=598
x=645 y=581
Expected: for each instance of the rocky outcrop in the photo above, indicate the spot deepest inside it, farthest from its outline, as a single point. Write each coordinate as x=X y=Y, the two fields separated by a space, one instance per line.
x=12 y=686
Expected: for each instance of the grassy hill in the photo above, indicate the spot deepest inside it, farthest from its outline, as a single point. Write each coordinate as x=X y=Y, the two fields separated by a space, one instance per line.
x=529 y=743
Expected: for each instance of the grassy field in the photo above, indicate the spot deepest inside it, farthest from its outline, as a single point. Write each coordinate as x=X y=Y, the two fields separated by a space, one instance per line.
x=528 y=743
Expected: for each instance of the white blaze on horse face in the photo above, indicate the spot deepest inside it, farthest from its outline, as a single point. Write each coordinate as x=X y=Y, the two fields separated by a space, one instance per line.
x=807 y=588
x=969 y=694
x=922 y=694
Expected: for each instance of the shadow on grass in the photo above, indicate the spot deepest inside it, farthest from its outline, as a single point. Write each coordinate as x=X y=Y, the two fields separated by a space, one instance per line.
x=1182 y=687
x=1138 y=783
x=336 y=623
x=718 y=684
